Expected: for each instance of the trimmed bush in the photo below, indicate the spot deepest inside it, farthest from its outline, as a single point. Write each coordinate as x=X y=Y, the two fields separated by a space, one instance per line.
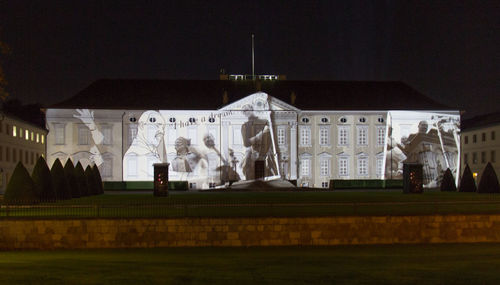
x=59 y=181
x=489 y=181
x=448 y=183
x=92 y=184
x=21 y=189
x=467 y=183
x=69 y=171
x=43 y=181
x=82 y=180
x=98 y=179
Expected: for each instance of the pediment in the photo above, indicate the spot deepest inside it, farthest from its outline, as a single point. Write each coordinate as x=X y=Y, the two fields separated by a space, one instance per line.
x=259 y=101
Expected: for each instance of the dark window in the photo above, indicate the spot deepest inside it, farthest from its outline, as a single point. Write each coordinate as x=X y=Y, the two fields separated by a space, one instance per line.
x=466 y=158
x=362 y=120
x=483 y=137
x=171 y=120
x=493 y=156
x=305 y=120
x=380 y=120
x=466 y=139
x=211 y=120
x=133 y=119
x=474 y=139
x=483 y=157
x=192 y=120
x=343 y=120
x=492 y=135
x=152 y=120
x=474 y=157
x=324 y=120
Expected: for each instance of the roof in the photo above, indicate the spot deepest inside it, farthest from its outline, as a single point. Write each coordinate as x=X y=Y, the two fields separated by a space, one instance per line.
x=208 y=94
x=481 y=121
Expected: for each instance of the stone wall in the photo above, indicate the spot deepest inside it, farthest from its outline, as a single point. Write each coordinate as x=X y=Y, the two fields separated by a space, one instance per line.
x=119 y=233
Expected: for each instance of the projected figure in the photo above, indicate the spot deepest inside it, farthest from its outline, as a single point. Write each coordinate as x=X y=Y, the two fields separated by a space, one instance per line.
x=219 y=167
x=147 y=147
x=395 y=158
x=87 y=117
x=257 y=139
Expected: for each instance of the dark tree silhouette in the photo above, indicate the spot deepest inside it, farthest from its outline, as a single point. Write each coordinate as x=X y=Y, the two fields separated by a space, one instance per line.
x=21 y=189
x=43 y=181
x=59 y=181
x=489 y=181
x=467 y=183
x=69 y=171
x=448 y=183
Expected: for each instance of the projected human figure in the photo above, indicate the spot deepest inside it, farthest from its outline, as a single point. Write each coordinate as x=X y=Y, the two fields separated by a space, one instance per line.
x=87 y=118
x=219 y=167
x=147 y=147
x=257 y=139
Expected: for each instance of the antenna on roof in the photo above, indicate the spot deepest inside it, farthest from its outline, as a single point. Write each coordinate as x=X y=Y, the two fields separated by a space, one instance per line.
x=253 y=58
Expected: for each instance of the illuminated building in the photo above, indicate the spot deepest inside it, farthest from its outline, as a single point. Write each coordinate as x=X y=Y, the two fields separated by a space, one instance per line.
x=215 y=131
x=480 y=143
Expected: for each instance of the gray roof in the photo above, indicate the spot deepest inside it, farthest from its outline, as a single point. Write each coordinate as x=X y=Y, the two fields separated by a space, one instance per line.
x=207 y=95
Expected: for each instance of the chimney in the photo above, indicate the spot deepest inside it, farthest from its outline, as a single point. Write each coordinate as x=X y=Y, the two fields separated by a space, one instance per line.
x=225 y=98
x=292 y=98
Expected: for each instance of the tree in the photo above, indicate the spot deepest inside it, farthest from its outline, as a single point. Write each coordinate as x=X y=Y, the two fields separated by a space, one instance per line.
x=467 y=183
x=91 y=182
x=81 y=180
x=69 y=171
x=59 y=181
x=43 y=181
x=21 y=189
x=448 y=182
x=98 y=179
x=489 y=181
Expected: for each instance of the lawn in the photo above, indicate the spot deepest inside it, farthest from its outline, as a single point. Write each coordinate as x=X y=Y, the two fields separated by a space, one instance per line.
x=258 y=204
x=387 y=264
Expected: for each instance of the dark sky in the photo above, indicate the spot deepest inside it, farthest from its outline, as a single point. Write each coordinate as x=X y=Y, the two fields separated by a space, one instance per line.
x=448 y=50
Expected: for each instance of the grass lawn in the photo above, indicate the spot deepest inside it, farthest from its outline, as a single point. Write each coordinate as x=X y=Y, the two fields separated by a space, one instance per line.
x=252 y=204
x=388 y=264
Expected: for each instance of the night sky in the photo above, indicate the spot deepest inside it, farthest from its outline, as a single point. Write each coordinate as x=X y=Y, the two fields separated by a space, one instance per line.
x=448 y=50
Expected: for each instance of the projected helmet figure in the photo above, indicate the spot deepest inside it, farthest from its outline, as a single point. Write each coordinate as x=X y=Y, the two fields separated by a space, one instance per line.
x=147 y=147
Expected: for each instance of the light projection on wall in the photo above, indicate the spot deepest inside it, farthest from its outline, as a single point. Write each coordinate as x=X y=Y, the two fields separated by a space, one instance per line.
x=94 y=154
x=206 y=148
x=431 y=139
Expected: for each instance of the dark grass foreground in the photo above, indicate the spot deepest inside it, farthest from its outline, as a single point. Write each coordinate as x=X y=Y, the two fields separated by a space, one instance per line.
x=388 y=264
x=259 y=204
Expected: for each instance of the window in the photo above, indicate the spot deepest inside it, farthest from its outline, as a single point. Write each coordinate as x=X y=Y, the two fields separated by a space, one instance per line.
x=483 y=157
x=324 y=184
x=21 y=155
x=305 y=120
x=171 y=120
x=305 y=167
x=132 y=165
x=466 y=158
x=380 y=119
x=26 y=157
x=324 y=136
x=281 y=136
x=483 y=137
x=32 y=136
x=324 y=120
x=343 y=120
x=7 y=153
x=493 y=156
x=492 y=135
x=59 y=134
x=192 y=120
x=133 y=120
x=7 y=129
x=343 y=166
x=466 y=139
x=43 y=138
x=132 y=133
x=14 y=131
x=83 y=135
x=474 y=157
x=107 y=167
x=362 y=135
x=362 y=120
x=192 y=134
x=474 y=138
x=152 y=119
x=237 y=139
x=343 y=136
x=380 y=162
x=37 y=138
x=14 y=155
x=26 y=134
x=363 y=166
x=32 y=157
x=324 y=167
x=171 y=136
x=107 y=135
x=211 y=120
x=380 y=136
x=305 y=136
x=20 y=133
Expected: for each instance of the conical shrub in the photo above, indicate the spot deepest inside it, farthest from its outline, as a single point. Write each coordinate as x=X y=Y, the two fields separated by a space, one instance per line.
x=69 y=171
x=98 y=179
x=448 y=183
x=489 y=181
x=89 y=175
x=21 y=189
x=81 y=180
x=43 y=181
x=59 y=181
x=467 y=183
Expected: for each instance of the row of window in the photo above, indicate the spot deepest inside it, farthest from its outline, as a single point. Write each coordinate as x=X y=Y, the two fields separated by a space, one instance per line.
x=84 y=134
x=341 y=120
x=26 y=134
x=483 y=137
x=483 y=157
x=342 y=167
x=342 y=137
x=15 y=155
